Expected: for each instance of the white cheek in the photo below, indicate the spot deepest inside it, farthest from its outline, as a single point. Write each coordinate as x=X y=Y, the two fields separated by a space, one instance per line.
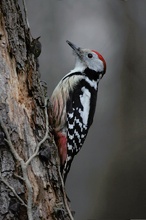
x=96 y=65
x=100 y=66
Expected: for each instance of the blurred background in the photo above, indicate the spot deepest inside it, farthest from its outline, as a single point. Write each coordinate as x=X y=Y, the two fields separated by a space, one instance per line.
x=108 y=176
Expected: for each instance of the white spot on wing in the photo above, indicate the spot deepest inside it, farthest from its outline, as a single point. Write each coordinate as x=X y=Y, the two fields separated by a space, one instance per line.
x=78 y=122
x=77 y=134
x=70 y=115
x=85 y=101
x=68 y=158
x=71 y=126
x=82 y=135
x=69 y=147
x=70 y=136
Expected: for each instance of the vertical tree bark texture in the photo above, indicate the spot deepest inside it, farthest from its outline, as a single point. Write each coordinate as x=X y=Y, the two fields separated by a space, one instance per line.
x=23 y=126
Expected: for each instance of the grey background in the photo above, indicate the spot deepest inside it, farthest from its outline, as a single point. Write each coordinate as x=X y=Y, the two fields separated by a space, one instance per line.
x=108 y=176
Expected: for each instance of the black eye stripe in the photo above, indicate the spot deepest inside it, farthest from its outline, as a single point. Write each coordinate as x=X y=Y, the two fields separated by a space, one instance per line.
x=90 y=55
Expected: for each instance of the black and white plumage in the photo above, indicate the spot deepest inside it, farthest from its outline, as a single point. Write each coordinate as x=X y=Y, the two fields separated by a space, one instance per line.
x=74 y=102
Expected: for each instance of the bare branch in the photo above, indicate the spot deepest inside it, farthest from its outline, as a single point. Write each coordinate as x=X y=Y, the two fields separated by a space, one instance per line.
x=19 y=177
x=24 y=170
x=45 y=137
x=13 y=190
x=64 y=195
x=29 y=190
x=24 y=164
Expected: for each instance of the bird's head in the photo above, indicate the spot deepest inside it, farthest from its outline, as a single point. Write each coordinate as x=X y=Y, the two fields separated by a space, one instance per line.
x=89 y=59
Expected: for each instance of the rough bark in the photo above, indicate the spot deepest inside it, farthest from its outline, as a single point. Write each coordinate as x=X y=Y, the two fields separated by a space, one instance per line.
x=29 y=188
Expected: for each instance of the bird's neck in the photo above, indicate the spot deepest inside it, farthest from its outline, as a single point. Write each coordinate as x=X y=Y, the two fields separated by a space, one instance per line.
x=92 y=74
x=82 y=68
x=79 y=66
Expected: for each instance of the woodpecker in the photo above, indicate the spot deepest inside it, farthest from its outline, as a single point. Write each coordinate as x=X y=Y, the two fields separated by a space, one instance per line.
x=74 y=102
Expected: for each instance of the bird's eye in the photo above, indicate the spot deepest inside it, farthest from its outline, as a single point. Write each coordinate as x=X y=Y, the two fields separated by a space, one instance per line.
x=90 y=55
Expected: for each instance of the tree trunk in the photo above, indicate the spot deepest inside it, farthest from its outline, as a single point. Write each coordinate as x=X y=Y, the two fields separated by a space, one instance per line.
x=31 y=186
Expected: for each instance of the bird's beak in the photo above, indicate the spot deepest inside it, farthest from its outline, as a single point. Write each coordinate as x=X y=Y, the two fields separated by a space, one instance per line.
x=76 y=49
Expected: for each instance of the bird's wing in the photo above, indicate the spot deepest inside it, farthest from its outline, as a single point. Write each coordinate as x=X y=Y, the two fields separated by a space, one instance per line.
x=77 y=129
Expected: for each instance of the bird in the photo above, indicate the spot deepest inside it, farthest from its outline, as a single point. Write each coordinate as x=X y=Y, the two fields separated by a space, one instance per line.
x=74 y=102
